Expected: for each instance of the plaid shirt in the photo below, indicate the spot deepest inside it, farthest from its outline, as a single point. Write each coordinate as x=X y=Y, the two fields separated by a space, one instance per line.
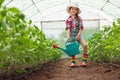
x=73 y=23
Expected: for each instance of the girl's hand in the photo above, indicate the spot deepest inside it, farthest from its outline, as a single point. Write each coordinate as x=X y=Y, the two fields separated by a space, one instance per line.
x=68 y=39
x=77 y=37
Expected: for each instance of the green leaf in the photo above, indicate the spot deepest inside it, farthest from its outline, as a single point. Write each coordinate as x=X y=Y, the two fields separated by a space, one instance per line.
x=14 y=10
x=1 y=1
x=30 y=22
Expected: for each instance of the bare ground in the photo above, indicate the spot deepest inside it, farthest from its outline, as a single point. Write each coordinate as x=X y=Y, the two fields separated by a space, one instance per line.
x=60 y=70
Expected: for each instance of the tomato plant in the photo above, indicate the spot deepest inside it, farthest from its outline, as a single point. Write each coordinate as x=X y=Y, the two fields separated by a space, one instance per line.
x=22 y=44
x=104 y=45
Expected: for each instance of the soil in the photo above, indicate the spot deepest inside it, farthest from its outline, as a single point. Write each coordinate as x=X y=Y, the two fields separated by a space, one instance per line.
x=60 y=70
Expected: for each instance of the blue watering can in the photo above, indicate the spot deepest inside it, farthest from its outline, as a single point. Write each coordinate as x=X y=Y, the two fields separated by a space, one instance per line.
x=71 y=48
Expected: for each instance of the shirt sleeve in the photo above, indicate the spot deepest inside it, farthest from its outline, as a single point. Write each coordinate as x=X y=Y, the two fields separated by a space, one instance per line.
x=67 y=24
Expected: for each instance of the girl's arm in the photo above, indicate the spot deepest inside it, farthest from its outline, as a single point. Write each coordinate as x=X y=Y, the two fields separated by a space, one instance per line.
x=68 y=30
x=68 y=34
x=78 y=35
x=79 y=32
x=80 y=29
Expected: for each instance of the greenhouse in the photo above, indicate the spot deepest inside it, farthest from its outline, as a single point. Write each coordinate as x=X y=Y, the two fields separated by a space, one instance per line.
x=50 y=14
x=33 y=34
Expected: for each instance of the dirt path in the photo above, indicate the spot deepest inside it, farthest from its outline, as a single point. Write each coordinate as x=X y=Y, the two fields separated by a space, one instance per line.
x=59 y=70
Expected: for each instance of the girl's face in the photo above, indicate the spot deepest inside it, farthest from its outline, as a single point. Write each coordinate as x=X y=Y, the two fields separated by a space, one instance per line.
x=73 y=11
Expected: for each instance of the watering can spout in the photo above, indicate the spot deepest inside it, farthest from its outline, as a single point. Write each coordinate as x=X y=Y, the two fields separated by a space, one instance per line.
x=55 y=46
x=63 y=49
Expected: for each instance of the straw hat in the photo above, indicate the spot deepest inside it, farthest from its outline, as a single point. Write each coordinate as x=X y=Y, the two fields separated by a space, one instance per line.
x=73 y=5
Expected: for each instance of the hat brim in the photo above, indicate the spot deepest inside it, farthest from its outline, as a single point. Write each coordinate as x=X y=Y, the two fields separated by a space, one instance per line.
x=68 y=9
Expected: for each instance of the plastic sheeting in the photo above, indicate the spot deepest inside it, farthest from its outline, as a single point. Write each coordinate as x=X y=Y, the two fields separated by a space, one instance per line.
x=49 y=15
x=40 y=10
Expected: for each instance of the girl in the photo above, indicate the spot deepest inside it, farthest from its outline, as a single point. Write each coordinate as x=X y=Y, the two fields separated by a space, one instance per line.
x=74 y=27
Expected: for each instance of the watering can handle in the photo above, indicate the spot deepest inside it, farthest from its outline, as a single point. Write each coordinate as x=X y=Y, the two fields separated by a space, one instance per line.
x=70 y=42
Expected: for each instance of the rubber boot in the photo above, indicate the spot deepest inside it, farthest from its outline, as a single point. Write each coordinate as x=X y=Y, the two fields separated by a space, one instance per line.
x=73 y=62
x=84 y=60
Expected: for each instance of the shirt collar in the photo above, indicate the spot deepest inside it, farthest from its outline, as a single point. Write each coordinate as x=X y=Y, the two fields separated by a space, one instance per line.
x=72 y=18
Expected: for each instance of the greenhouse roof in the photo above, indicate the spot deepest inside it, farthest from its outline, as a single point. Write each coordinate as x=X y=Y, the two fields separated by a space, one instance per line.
x=40 y=10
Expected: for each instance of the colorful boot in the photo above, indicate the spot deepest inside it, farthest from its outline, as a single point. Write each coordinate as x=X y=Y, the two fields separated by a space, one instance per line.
x=84 y=60
x=73 y=62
